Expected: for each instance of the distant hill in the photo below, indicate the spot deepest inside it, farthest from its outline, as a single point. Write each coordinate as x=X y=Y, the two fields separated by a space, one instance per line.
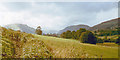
x=110 y=24
x=21 y=27
x=74 y=28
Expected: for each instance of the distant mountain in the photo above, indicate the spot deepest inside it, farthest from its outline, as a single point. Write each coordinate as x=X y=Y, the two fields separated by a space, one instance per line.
x=111 y=24
x=21 y=27
x=74 y=28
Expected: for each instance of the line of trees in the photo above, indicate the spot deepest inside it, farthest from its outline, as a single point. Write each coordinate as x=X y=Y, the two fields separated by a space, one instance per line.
x=82 y=34
x=106 y=32
x=86 y=36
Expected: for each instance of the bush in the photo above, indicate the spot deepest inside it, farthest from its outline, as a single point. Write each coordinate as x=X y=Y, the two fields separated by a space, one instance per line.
x=99 y=40
x=118 y=41
x=88 y=37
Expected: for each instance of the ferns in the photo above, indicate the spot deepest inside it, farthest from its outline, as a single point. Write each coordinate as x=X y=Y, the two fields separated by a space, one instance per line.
x=7 y=48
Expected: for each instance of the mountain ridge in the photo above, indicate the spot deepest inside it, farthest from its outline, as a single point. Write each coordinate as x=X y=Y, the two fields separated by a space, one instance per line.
x=21 y=27
x=74 y=28
x=110 y=24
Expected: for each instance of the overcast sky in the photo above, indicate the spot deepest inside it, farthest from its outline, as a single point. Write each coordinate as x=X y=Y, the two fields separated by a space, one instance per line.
x=56 y=16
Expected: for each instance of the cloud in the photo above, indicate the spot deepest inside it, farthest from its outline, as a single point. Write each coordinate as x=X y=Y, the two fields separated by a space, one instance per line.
x=108 y=15
x=59 y=0
x=56 y=16
x=17 y=6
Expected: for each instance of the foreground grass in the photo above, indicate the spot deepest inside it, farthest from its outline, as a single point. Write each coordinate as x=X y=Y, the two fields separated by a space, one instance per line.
x=68 y=48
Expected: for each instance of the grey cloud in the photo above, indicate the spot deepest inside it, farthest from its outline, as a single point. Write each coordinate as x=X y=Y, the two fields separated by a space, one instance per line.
x=68 y=13
x=18 y=6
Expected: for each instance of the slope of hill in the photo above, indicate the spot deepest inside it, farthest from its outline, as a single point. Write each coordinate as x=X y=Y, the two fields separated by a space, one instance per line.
x=111 y=24
x=74 y=28
x=21 y=27
x=69 y=48
x=15 y=44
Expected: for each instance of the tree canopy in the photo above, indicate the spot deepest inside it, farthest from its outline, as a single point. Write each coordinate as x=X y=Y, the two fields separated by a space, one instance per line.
x=38 y=30
x=88 y=37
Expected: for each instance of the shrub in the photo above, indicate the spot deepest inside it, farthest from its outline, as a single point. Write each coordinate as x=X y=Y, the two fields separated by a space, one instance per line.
x=118 y=41
x=99 y=40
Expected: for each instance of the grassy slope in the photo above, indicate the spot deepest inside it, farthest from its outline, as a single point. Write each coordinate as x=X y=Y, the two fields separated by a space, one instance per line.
x=68 y=48
x=45 y=47
x=14 y=44
x=35 y=49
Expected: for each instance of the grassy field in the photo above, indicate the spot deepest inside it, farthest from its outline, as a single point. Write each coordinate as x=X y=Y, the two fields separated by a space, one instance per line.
x=17 y=44
x=68 y=48
x=108 y=44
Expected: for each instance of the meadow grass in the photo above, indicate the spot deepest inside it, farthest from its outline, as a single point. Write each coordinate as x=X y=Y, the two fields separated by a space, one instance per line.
x=69 y=48
x=108 y=44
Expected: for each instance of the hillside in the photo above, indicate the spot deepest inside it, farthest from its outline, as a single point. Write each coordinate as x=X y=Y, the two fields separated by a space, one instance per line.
x=74 y=28
x=17 y=44
x=69 y=48
x=21 y=27
x=110 y=24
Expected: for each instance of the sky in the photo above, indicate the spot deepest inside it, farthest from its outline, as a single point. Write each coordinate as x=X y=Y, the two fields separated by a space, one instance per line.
x=54 y=16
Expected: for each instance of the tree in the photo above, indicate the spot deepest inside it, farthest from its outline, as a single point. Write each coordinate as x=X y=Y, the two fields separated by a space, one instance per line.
x=38 y=30
x=79 y=32
x=63 y=35
x=73 y=34
x=68 y=34
x=88 y=37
